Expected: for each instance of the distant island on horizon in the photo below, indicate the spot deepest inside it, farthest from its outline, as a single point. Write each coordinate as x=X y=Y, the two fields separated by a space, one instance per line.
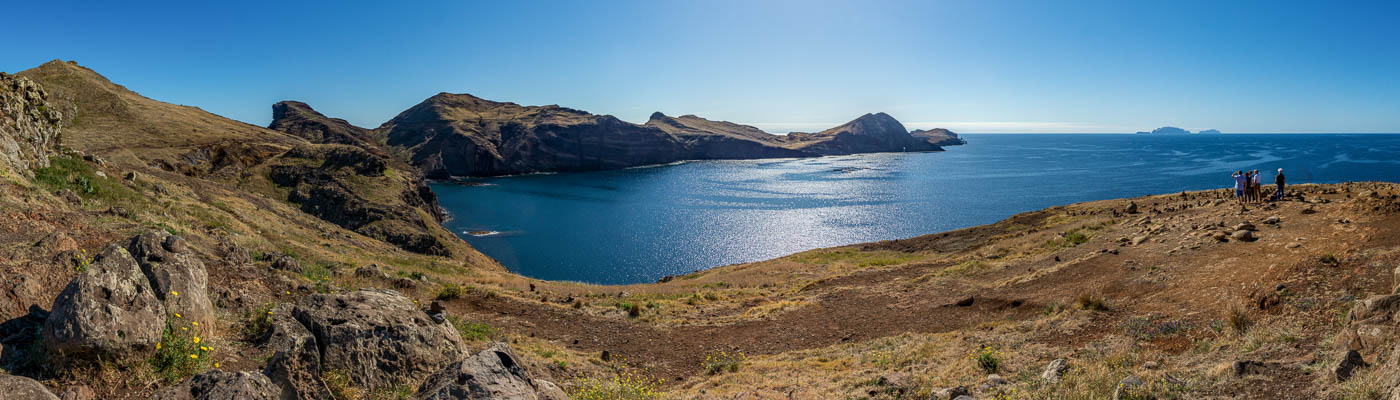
x=1172 y=130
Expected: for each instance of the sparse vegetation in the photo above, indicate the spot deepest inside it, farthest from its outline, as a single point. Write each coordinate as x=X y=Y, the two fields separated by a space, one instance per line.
x=1329 y=259
x=339 y=385
x=449 y=291
x=1091 y=302
x=723 y=361
x=73 y=173
x=257 y=322
x=472 y=330
x=627 y=384
x=1238 y=320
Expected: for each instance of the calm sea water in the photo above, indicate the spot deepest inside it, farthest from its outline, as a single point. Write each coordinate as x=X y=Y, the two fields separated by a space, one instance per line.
x=637 y=225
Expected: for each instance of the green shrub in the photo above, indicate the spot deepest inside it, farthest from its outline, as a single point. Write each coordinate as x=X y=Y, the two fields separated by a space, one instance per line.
x=471 y=330
x=181 y=352
x=449 y=291
x=987 y=358
x=257 y=322
x=633 y=311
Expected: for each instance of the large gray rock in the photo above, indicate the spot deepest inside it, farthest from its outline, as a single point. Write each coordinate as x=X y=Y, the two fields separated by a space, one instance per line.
x=21 y=388
x=109 y=311
x=220 y=385
x=295 y=365
x=377 y=337
x=493 y=373
x=29 y=125
x=176 y=273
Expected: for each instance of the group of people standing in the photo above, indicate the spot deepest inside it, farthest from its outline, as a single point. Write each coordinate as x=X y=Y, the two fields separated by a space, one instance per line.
x=1247 y=186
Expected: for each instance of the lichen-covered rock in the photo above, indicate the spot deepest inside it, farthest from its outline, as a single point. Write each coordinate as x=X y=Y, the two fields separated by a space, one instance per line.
x=29 y=125
x=176 y=273
x=108 y=311
x=21 y=388
x=220 y=385
x=295 y=365
x=493 y=373
x=377 y=337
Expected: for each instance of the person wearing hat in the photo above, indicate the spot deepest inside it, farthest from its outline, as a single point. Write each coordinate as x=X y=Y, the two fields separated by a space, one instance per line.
x=1278 y=183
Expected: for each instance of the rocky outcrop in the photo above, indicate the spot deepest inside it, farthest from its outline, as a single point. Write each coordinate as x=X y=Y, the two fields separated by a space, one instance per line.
x=300 y=119
x=706 y=139
x=176 y=273
x=29 y=125
x=109 y=311
x=221 y=385
x=377 y=338
x=350 y=187
x=494 y=373
x=21 y=388
x=939 y=136
x=463 y=135
x=870 y=133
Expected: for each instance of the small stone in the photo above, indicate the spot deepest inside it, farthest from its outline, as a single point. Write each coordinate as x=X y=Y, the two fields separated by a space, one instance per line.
x=996 y=380
x=1150 y=365
x=1132 y=208
x=1245 y=226
x=1274 y=220
x=1293 y=245
x=1138 y=240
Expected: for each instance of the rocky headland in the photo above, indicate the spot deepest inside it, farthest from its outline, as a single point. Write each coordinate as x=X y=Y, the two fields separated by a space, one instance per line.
x=451 y=135
x=155 y=251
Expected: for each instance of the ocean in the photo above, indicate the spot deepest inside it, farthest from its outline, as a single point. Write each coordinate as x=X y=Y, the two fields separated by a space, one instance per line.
x=640 y=224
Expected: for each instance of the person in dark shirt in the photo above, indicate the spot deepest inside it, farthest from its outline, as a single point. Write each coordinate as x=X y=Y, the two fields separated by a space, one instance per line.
x=1278 y=183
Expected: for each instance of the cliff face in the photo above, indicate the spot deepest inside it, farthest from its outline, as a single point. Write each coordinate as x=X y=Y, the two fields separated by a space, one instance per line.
x=29 y=125
x=870 y=133
x=463 y=135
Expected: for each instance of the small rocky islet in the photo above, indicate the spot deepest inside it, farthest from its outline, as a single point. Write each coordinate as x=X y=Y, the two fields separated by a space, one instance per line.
x=150 y=250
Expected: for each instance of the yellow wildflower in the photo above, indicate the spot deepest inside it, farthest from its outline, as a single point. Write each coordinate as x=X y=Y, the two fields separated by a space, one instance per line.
x=216 y=365
x=177 y=315
x=174 y=293
x=196 y=323
x=194 y=356
x=157 y=346
x=196 y=340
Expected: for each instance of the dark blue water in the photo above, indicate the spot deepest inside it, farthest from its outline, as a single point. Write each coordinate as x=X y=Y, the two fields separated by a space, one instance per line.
x=640 y=224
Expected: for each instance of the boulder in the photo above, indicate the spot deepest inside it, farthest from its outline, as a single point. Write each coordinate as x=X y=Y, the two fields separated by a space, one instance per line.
x=176 y=273
x=1347 y=365
x=287 y=263
x=1308 y=210
x=1127 y=388
x=295 y=365
x=109 y=311
x=1132 y=208
x=235 y=255
x=220 y=385
x=1055 y=370
x=1220 y=236
x=1138 y=240
x=1243 y=236
x=950 y=393
x=377 y=337
x=371 y=271
x=21 y=388
x=1245 y=226
x=494 y=373
x=1273 y=220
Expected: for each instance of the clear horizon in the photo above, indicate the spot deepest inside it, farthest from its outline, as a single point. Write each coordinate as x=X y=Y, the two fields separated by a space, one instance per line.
x=1010 y=67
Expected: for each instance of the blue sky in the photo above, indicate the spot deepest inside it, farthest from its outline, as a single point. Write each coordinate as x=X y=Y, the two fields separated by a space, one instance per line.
x=973 y=66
